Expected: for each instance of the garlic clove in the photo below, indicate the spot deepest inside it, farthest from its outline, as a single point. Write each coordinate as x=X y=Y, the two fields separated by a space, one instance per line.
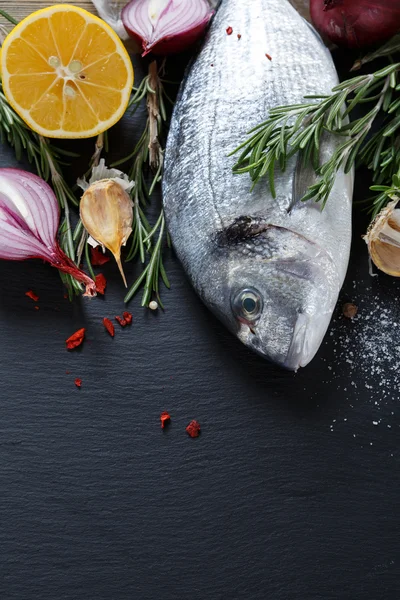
x=106 y=211
x=383 y=239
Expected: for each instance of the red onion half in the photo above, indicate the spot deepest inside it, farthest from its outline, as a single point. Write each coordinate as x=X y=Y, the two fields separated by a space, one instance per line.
x=166 y=26
x=356 y=23
x=29 y=219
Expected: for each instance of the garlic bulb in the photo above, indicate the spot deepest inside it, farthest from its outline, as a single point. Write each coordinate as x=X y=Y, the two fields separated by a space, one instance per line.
x=106 y=211
x=383 y=239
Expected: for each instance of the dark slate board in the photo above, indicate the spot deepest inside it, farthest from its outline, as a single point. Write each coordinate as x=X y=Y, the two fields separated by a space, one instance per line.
x=290 y=493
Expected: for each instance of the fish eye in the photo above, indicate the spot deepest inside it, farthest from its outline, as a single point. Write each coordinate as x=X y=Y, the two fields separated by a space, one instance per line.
x=247 y=305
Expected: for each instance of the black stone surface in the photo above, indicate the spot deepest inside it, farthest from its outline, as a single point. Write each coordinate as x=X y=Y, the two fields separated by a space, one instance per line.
x=290 y=493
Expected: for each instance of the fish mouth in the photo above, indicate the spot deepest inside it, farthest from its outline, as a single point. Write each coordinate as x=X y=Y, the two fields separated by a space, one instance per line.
x=303 y=347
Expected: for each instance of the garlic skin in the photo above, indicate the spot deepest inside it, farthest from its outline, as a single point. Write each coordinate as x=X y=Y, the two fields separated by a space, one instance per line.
x=383 y=239
x=106 y=210
x=110 y=12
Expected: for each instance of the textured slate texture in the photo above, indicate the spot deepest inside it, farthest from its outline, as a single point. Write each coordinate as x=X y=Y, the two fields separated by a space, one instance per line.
x=283 y=497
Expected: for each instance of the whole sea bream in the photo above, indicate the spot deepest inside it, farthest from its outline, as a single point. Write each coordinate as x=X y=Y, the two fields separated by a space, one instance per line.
x=270 y=268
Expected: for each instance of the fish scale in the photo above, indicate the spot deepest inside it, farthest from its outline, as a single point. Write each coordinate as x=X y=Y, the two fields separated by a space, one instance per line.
x=230 y=88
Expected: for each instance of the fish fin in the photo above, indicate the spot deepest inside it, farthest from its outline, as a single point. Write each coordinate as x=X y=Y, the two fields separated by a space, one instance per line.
x=304 y=177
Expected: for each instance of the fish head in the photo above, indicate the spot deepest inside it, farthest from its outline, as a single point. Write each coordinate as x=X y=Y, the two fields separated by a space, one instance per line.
x=280 y=292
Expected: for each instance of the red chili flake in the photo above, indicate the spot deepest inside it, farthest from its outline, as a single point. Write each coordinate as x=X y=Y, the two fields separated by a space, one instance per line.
x=121 y=321
x=78 y=382
x=101 y=283
x=66 y=296
x=239 y=36
x=193 y=429
x=229 y=31
x=164 y=418
x=67 y=372
x=36 y=308
x=32 y=295
x=128 y=317
x=97 y=258
x=109 y=326
x=76 y=339
x=268 y=56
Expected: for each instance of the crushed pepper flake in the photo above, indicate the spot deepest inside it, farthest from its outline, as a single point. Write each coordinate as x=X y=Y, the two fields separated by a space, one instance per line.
x=268 y=56
x=239 y=36
x=193 y=429
x=78 y=382
x=164 y=418
x=32 y=295
x=229 y=31
x=121 y=321
x=97 y=258
x=36 y=308
x=101 y=283
x=127 y=316
x=76 y=339
x=109 y=326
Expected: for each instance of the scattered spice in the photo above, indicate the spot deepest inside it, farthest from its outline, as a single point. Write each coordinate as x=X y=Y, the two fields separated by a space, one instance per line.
x=32 y=295
x=239 y=36
x=128 y=317
x=98 y=258
x=78 y=382
x=349 y=310
x=268 y=56
x=193 y=429
x=121 y=321
x=67 y=372
x=36 y=308
x=164 y=418
x=229 y=31
x=153 y=305
x=109 y=326
x=76 y=339
x=101 y=284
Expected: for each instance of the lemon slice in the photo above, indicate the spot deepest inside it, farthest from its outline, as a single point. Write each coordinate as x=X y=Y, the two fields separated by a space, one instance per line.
x=66 y=72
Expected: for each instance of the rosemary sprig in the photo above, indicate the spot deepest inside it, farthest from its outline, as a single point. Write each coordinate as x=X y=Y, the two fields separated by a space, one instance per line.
x=147 y=241
x=8 y=17
x=387 y=193
x=391 y=47
x=299 y=128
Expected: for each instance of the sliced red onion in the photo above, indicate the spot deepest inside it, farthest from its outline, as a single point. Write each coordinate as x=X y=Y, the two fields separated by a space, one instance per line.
x=166 y=26
x=29 y=219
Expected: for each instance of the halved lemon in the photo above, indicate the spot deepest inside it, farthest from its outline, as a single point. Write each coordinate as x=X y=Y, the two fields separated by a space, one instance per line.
x=66 y=72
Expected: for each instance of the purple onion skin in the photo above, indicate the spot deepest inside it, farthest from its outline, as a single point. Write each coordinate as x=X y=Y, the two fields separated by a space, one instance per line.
x=356 y=23
x=173 y=44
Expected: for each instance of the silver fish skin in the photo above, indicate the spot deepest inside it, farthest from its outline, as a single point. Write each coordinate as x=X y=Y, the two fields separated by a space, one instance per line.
x=270 y=268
